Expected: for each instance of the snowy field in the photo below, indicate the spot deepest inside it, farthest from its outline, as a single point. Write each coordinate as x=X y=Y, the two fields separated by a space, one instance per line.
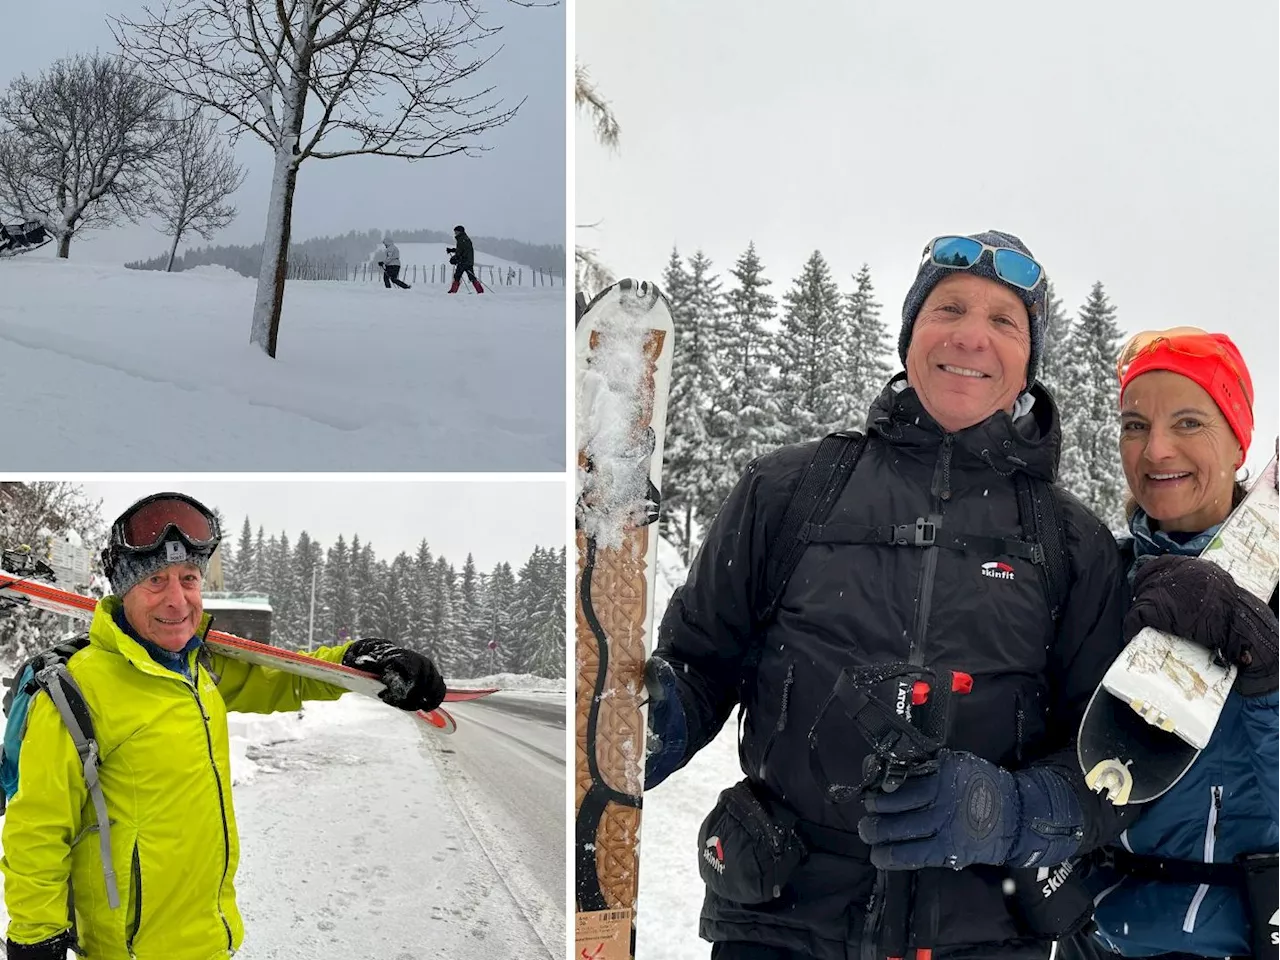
x=364 y=834
x=141 y=371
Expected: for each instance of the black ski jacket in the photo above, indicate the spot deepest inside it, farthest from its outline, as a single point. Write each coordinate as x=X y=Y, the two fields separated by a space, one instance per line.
x=851 y=605
x=466 y=250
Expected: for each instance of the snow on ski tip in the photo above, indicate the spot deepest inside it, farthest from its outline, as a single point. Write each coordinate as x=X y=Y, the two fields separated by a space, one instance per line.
x=614 y=389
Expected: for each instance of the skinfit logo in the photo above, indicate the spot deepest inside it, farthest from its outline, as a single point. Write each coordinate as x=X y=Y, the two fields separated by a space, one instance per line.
x=1056 y=878
x=715 y=859
x=997 y=570
x=1275 y=934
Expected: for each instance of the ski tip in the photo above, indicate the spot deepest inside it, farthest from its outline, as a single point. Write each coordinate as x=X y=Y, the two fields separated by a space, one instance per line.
x=439 y=720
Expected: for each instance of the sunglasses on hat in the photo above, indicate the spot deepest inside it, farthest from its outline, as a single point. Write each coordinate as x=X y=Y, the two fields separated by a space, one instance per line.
x=960 y=253
x=1187 y=341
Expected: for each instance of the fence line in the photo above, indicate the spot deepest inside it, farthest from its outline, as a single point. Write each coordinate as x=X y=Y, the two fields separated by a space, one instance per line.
x=304 y=269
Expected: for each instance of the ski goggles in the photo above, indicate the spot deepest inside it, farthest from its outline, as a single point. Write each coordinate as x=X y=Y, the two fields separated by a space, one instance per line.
x=961 y=253
x=148 y=523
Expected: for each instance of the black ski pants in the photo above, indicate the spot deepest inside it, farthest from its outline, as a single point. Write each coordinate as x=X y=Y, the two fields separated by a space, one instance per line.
x=391 y=274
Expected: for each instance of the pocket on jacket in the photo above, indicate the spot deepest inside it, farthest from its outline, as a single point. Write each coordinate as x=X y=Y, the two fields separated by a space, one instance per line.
x=133 y=909
x=746 y=851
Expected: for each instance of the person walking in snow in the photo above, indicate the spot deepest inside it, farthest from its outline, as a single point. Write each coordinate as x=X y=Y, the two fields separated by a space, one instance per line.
x=390 y=264
x=1196 y=874
x=464 y=259
x=158 y=699
x=945 y=547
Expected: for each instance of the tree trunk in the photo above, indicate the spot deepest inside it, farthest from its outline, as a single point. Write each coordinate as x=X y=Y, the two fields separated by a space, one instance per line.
x=173 y=252
x=269 y=299
x=64 y=246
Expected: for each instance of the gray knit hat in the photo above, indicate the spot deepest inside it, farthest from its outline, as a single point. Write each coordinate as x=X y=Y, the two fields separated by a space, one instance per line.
x=130 y=569
x=930 y=274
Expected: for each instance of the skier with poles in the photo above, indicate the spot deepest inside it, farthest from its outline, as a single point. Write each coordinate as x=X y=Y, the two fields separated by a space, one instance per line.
x=120 y=838
x=844 y=588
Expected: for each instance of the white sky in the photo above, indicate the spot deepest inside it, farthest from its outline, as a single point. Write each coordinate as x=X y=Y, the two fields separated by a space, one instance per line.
x=493 y=521
x=515 y=190
x=1125 y=143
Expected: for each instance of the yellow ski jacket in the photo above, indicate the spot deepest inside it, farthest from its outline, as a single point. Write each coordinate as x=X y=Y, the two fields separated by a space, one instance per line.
x=166 y=776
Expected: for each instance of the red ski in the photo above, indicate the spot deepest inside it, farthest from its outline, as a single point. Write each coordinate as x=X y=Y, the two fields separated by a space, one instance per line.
x=55 y=600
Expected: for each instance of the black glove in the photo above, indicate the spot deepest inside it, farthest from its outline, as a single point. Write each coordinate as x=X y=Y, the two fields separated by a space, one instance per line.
x=967 y=810
x=54 y=949
x=1198 y=601
x=412 y=680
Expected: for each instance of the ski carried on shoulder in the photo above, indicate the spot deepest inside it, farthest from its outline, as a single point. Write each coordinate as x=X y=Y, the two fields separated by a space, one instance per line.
x=1159 y=702
x=624 y=343
x=28 y=592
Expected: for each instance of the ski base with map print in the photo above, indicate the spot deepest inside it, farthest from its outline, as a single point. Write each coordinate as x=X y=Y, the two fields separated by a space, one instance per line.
x=1158 y=704
x=28 y=592
x=624 y=343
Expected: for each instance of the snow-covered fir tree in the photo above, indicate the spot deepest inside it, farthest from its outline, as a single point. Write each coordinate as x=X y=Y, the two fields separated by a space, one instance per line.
x=866 y=351
x=695 y=305
x=751 y=423
x=1090 y=436
x=808 y=357
x=1053 y=362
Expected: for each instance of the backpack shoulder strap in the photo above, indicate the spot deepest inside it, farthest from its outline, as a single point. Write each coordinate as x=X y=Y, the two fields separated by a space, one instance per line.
x=56 y=680
x=1040 y=514
x=820 y=485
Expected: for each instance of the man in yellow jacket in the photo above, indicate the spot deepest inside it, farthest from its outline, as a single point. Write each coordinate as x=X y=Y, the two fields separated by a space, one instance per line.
x=158 y=703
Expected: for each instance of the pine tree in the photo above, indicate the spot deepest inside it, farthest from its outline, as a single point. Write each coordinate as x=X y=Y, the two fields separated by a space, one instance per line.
x=339 y=608
x=688 y=438
x=470 y=636
x=1090 y=436
x=244 y=560
x=1053 y=362
x=866 y=351
x=751 y=422
x=809 y=359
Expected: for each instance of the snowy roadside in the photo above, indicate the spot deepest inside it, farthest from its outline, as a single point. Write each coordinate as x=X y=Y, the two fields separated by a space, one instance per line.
x=353 y=844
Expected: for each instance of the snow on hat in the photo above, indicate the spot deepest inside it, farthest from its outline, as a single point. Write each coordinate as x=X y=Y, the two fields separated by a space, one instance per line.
x=130 y=569
x=1211 y=360
x=929 y=275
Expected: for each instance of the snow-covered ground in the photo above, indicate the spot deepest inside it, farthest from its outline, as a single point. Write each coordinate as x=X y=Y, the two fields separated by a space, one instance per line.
x=364 y=834
x=116 y=369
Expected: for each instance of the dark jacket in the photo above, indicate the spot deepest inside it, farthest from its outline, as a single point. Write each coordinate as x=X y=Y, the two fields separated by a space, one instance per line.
x=1223 y=806
x=466 y=250
x=850 y=605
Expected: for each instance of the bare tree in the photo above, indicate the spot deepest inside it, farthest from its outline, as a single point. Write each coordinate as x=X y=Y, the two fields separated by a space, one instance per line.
x=322 y=79
x=589 y=273
x=194 y=182
x=76 y=144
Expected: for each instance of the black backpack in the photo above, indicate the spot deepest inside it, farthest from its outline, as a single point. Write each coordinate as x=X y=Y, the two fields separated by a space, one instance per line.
x=1039 y=514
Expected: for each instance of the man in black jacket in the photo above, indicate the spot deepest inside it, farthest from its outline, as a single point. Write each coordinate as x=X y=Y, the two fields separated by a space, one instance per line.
x=464 y=259
x=1005 y=802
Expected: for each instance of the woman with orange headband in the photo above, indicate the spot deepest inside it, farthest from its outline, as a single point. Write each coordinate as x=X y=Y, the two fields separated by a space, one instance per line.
x=1194 y=860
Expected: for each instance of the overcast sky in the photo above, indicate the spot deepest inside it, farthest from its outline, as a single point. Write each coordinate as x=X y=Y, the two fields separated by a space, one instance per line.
x=1125 y=143
x=515 y=190
x=493 y=521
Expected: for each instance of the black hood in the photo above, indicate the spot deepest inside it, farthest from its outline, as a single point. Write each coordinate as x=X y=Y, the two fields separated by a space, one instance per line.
x=1031 y=444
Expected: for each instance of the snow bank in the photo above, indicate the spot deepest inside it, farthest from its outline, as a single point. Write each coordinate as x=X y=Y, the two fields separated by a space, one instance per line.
x=512 y=681
x=366 y=378
x=252 y=730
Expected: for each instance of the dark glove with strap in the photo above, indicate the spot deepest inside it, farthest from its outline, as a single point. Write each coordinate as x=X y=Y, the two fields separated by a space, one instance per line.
x=1199 y=601
x=52 y=949
x=412 y=680
x=668 y=729
x=967 y=810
